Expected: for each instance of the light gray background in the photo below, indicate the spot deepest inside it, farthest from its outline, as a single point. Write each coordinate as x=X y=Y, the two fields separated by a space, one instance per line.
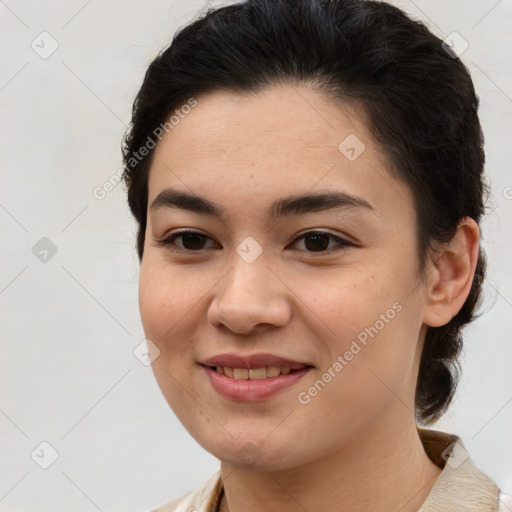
x=69 y=325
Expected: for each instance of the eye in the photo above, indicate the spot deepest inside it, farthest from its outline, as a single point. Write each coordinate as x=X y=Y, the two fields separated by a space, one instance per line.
x=319 y=241
x=192 y=241
x=314 y=241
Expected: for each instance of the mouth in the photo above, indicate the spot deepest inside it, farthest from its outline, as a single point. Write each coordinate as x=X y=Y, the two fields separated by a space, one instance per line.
x=254 y=377
x=253 y=366
x=253 y=373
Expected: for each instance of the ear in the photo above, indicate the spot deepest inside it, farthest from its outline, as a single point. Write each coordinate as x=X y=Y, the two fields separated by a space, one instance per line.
x=451 y=274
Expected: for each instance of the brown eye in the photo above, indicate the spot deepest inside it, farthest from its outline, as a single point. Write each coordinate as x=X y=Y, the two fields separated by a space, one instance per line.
x=319 y=241
x=191 y=241
x=316 y=242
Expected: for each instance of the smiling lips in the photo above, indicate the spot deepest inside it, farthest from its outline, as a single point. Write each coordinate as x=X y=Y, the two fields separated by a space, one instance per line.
x=254 y=377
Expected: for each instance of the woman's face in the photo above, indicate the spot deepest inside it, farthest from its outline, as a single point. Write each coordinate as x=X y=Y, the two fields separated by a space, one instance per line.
x=343 y=309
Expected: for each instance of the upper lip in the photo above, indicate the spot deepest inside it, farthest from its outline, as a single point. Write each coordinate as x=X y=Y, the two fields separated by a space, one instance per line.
x=253 y=361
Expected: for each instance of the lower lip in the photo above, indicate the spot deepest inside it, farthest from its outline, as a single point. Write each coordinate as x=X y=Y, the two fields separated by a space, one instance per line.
x=252 y=390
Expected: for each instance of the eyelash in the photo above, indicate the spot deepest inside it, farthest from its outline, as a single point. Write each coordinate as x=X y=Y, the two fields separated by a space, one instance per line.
x=168 y=242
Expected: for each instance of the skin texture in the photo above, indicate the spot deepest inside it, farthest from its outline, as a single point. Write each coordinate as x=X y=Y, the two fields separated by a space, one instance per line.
x=358 y=432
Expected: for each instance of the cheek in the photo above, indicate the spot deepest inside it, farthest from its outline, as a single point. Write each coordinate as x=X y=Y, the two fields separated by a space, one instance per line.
x=167 y=312
x=166 y=304
x=373 y=322
x=351 y=306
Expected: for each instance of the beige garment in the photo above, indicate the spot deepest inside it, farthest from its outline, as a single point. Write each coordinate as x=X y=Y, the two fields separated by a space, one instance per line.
x=460 y=487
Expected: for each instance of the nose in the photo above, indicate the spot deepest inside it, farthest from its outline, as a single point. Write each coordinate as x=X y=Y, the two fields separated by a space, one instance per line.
x=250 y=297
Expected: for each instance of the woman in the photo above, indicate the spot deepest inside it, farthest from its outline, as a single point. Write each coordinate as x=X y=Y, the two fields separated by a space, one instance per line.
x=307 y=178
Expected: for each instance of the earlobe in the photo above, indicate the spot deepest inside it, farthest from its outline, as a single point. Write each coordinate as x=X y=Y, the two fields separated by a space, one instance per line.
x=450 y=276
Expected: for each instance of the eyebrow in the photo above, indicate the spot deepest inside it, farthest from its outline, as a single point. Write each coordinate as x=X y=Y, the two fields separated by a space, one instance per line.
x=283 y=207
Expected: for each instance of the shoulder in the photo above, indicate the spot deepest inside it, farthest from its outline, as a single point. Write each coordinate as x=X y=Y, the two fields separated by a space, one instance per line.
x=461 y=485
x=200 y=499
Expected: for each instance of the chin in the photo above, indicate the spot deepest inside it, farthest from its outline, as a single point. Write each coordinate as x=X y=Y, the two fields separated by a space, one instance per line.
x=253 y=452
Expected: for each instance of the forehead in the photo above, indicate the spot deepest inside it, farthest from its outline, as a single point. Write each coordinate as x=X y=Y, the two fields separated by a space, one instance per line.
x=281 y=140
x=275 y=123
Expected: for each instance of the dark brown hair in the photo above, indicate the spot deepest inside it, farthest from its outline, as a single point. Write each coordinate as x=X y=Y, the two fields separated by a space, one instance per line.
x=417 y=96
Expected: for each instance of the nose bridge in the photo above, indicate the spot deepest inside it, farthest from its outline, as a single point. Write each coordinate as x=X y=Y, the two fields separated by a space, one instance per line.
x=249 y=270
x=249 y=294
x=247 y=284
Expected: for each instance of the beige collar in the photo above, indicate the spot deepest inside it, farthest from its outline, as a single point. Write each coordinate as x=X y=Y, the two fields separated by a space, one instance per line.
x=461 y=486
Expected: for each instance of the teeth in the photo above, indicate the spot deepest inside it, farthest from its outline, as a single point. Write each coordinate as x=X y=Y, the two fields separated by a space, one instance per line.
x=241 y=373
x=273 y=371
x=253 y=373
x=257 y=373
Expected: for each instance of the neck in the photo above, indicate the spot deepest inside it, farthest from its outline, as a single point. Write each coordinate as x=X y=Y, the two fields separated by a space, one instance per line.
x=384 y=469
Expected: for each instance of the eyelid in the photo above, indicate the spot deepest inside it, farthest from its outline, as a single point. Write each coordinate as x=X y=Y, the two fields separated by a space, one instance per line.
x=342 y=243
x=346 y=239
x=168 y=241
